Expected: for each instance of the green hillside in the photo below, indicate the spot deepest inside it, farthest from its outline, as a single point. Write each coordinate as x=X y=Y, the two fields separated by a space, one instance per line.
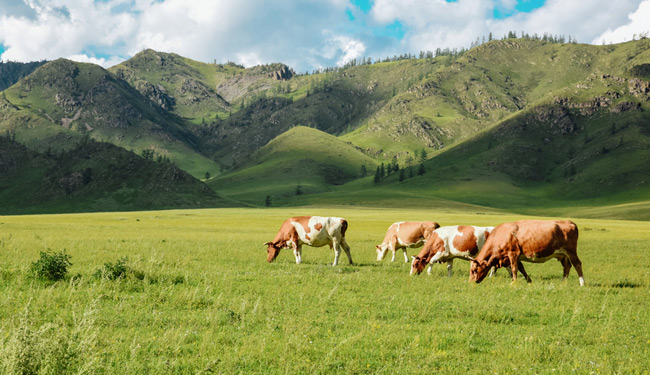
x=94 y=177
x=64 y=101
x=300 y=161
x=517 y=124
x=11 y=72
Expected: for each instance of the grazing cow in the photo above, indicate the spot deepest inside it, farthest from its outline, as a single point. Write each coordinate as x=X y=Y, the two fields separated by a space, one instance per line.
x=405 y=234
x=314 y=231
x=447 y=243
x=533 y=241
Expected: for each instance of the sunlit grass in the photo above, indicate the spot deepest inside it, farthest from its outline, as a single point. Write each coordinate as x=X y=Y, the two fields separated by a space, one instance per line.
x=209 y=302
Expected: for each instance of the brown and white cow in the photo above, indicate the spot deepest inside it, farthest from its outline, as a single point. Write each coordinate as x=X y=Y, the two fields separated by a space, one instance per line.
x=405 y=234
x=533 y=241
x=447 y=243
x=314 y=231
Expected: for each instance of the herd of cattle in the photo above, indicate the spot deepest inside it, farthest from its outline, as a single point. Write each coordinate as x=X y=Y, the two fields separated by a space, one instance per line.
x=488 y=248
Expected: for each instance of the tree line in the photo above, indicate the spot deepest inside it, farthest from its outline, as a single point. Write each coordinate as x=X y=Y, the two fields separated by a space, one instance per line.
x=451 y=52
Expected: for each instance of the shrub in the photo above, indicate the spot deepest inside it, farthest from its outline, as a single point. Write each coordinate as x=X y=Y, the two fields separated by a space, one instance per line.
x=118 y=270
x=113 y=271
x=51 y=266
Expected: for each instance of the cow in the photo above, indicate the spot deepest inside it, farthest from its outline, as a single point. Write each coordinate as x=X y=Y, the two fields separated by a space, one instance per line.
x=447 y=243
x=533 y=241
x=405 y=234
x=314 y=231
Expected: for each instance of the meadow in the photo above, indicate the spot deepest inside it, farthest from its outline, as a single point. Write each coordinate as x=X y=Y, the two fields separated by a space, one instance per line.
x=200 y=299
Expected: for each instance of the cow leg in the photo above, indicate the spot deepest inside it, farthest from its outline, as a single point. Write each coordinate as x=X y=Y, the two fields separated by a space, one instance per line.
x=337 y=252
x=566 y=264
x=436 y=257
x=523 y=272
x=406 y=257
x=297 y=252
x=347 y=250
x=394 y=246
x=450 y=265
x=514 y=265
x=578 y=266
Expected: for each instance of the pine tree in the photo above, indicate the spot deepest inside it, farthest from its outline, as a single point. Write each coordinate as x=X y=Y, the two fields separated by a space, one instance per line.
x=423 y=155
x=402 y=175
x=421 y=170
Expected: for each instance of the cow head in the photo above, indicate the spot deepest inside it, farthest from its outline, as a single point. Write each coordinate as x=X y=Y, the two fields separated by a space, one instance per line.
x=381 y=253
x=417 y=265
x=478 y=270
x=272 y=251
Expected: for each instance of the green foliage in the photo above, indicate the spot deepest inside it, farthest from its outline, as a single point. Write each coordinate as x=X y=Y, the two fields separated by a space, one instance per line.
x=51 y=266
x=118 y=270
x=421 y=169
x=50 y=348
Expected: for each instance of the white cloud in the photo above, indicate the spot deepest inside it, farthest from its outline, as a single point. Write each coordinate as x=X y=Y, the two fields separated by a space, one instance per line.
x=639 y=23
x=305 y=34
x=246 y=31
x=351 y=48
x=114 y=60
x=249 y=59
x=61 y=28
x=440 y=24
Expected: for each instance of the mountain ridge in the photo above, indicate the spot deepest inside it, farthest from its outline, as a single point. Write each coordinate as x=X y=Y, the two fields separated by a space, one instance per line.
x=541 y=118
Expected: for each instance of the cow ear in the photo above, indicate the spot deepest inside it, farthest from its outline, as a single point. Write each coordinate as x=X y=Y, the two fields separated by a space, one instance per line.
x=378 y=247
x=267 y=243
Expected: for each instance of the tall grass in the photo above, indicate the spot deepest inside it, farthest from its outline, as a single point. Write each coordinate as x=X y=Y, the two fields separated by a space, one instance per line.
x=207 y=301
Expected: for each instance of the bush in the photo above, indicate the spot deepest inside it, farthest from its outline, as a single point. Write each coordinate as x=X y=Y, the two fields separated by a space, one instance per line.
x=113 y=271
x=118 y=270
x=51 y=266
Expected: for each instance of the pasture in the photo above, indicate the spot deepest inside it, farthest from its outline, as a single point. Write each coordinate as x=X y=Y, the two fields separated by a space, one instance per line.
x=202 y=299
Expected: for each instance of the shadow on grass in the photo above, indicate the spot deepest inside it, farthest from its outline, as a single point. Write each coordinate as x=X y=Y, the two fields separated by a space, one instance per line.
x=626 y=284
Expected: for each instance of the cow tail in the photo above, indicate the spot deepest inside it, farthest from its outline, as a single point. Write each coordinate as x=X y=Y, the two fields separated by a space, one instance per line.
x=344 y=227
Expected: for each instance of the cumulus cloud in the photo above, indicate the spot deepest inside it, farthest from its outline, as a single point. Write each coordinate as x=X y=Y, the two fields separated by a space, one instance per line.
x=638 y=24
x=343 y=46
x=304 y=34
x=441 y=24
x=246 y=31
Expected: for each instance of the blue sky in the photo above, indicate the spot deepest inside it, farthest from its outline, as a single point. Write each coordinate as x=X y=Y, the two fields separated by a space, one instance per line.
x=306 y=34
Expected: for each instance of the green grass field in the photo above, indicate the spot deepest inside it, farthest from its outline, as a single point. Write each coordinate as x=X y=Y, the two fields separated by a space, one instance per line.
x=205 y=300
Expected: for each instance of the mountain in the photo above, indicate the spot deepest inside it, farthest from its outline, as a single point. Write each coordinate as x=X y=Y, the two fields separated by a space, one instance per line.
x=529 y=124
x=63 y=101
x=11 y=72
x=94 y=176
x=299 y=161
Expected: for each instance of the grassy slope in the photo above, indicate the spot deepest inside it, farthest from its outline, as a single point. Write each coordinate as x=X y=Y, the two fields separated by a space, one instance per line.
x=68 y=100
x=209 y=302
x=302 y=156
x=94 y=177
x=563 y=151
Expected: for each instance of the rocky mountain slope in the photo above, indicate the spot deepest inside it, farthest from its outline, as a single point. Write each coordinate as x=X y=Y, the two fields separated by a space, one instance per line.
x=535 y=118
